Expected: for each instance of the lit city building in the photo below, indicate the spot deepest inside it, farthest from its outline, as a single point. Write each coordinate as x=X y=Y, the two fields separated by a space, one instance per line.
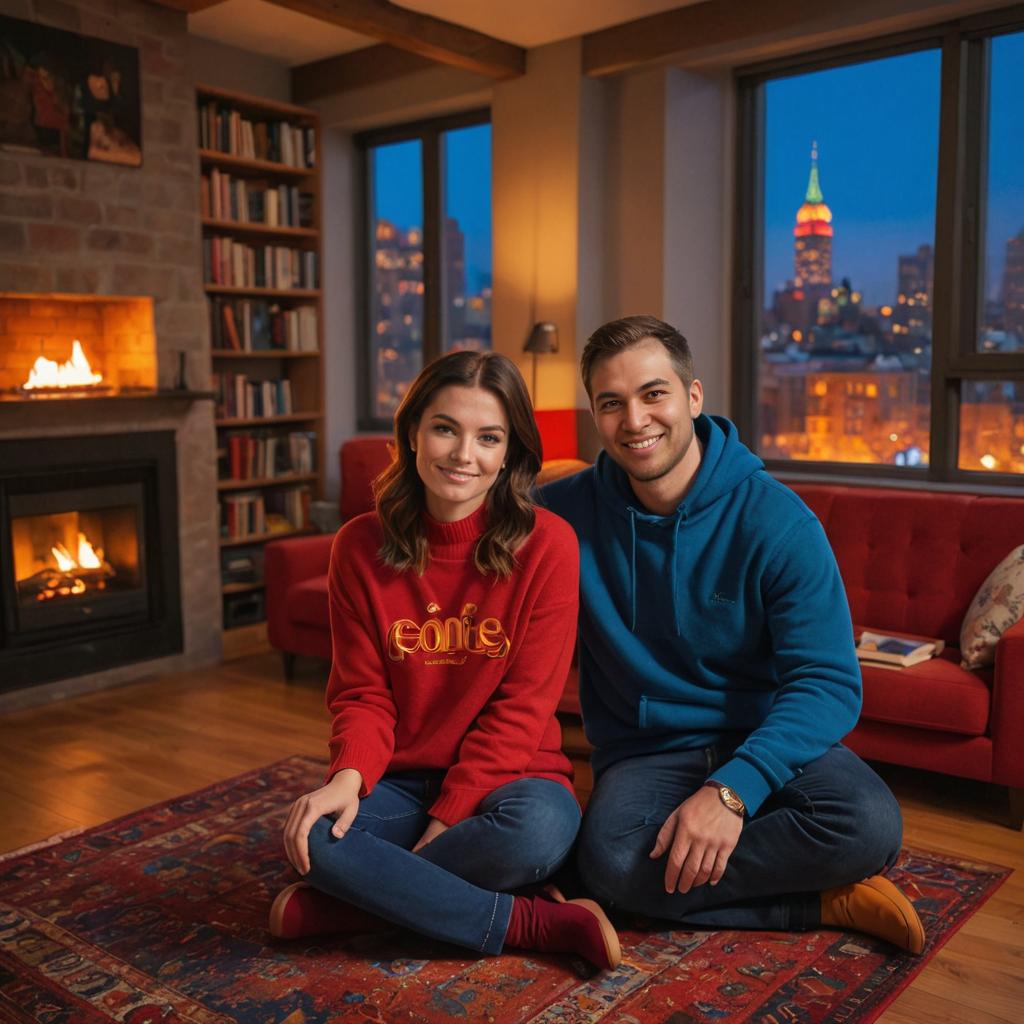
x=1013 y=290
x=912 y=312
x=813 y=234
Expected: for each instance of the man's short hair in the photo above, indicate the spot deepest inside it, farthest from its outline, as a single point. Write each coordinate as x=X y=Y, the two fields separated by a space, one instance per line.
x=618 y=335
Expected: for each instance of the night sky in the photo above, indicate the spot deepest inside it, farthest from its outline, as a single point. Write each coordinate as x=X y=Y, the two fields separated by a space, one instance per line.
x=877 y=129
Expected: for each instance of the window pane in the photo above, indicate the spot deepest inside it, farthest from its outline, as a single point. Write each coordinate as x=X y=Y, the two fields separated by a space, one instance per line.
x=466 y=239
x=992 y=426
x=849 y=226
x=1002 y=312
x=396 y=285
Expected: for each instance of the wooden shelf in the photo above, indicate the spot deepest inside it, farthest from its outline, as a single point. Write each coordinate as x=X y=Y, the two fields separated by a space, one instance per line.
x=273 y=353
x=255 y=228
x=265 y=481
x=240 y=588
x=264 y=421
x=213 y=157
x=302 y=369
x=277 y=293
x=263 y=538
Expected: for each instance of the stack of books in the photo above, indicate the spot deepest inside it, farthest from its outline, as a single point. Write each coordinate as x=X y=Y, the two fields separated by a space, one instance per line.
x=887 y=650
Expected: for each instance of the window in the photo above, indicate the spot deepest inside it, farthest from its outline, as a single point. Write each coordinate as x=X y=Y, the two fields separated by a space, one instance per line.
x=880 y=284
x=427 y=255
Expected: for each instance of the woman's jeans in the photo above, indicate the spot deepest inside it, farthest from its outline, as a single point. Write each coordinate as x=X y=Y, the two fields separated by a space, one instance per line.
x=456 y=887
x=835 y=823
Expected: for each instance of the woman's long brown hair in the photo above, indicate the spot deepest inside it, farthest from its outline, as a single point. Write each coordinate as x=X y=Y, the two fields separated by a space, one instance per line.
x=399 y=491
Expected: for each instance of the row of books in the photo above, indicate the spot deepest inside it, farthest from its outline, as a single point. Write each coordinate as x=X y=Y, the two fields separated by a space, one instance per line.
x=230 y=131
x=259 y=456
x=223 y=197
x=253 y=325
x=255 y=513
x=238 y=265
x=241 y=397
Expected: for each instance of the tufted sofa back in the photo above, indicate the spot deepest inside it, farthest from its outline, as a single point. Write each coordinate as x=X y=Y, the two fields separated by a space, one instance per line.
x=912 y=561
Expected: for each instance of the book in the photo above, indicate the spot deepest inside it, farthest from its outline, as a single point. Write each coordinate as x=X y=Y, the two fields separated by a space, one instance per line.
x=895 y=651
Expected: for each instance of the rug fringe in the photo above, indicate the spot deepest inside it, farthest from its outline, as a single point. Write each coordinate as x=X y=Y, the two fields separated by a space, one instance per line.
x=43 y=843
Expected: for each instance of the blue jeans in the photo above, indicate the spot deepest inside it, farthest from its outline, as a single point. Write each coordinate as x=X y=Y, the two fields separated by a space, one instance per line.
x=454 y=888
x=835 y=823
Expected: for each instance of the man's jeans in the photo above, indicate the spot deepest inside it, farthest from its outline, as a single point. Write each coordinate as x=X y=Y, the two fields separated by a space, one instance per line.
x=835 y=823
x=456 y=888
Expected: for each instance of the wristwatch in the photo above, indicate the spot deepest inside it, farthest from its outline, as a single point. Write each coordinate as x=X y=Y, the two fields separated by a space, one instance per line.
x=728 y=797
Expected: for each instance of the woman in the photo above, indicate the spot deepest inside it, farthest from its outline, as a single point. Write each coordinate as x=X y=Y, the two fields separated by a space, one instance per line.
x=453 y=619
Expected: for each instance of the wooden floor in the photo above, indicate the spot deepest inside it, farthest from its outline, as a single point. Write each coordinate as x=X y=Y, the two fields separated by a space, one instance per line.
x=87 y=760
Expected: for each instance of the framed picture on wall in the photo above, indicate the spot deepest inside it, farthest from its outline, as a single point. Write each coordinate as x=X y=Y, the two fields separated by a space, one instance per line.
x=68 y=95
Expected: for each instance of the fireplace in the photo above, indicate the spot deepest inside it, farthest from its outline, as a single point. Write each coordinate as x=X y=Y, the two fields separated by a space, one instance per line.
x=89 y=564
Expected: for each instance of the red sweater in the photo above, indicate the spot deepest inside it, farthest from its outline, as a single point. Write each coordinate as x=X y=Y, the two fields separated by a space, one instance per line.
x=451 y=670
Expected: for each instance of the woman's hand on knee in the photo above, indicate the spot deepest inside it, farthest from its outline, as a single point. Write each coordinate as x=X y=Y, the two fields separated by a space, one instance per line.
x=340 y=797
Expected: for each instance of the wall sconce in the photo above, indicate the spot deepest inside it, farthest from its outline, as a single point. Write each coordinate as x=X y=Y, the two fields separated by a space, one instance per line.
x=543 y=338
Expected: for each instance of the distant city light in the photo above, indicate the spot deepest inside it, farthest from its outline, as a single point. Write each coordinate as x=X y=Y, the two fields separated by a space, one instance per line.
x=989 y=461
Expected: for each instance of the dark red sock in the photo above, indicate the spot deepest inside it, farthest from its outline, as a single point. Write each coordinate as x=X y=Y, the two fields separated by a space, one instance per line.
x=579 y=926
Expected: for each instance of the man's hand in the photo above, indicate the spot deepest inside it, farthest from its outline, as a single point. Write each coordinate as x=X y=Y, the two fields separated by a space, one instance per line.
x=339 y=797
x=700 y=835
x=433 y=830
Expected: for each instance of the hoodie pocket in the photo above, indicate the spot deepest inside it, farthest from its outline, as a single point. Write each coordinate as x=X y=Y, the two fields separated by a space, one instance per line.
x=664 y=713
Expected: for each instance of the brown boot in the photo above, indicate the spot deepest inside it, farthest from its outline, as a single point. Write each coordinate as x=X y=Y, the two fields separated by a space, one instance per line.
x=544 y=924
x=875 y=907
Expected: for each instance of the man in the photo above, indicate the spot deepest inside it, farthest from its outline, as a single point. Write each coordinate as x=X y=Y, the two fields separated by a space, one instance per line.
x=717 y=672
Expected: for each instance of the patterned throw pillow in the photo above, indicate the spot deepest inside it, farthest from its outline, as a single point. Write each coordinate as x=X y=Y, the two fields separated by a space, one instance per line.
x=998 y=604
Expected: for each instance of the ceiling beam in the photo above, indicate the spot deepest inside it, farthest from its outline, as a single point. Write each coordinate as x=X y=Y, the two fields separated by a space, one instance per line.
x=441 y=41
x=718 y=26
x=368 y=66
x=188 y=6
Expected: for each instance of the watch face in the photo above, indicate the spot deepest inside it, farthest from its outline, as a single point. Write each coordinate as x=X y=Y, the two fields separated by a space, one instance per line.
x=731 y=800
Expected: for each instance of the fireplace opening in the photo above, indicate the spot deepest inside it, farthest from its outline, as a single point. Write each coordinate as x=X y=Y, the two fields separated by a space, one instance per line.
x=89 y=561
x=76 y=554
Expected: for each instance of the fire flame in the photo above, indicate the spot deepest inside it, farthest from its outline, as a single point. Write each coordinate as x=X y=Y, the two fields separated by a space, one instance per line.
x=87 y=557
x=76 y=372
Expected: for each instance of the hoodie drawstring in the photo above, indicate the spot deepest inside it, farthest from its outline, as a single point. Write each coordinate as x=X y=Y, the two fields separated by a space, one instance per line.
x=675 y=573
x=674 y=578
x=632 y=568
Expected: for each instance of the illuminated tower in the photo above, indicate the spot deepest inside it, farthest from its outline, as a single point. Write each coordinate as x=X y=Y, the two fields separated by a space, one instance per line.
x=813 y=234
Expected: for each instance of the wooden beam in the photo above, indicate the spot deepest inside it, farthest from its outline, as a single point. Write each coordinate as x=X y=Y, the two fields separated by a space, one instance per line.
x=440 y=41
x=353 y=70
x=188 y=6
x=716 y=25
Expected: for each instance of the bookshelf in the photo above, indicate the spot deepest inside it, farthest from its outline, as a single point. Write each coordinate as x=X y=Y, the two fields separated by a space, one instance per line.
x=259 y=185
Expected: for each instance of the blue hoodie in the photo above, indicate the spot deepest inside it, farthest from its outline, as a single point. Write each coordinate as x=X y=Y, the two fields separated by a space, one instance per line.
x=727 y=618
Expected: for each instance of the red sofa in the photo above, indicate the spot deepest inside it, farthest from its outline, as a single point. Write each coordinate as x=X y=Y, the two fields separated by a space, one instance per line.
x=911 y=560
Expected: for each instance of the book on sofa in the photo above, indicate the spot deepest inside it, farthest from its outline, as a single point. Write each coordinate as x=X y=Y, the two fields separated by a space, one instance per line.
x=889 y=650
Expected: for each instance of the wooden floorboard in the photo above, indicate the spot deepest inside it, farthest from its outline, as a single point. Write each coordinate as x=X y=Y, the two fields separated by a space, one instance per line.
x=81 y=762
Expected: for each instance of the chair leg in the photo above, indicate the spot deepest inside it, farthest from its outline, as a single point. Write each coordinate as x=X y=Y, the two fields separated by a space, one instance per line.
x=1016 y=806
x=289 y=665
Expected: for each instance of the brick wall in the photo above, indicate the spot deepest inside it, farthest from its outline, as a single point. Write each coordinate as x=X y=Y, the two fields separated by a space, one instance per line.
x=74 y=226
x=70 y=227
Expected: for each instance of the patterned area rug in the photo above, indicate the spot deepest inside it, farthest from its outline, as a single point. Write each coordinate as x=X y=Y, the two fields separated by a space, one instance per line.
x=159 y=918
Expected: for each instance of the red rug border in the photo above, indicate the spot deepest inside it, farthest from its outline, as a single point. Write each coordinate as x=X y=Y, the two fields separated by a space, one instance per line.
x=933 y=952
x=890 y=997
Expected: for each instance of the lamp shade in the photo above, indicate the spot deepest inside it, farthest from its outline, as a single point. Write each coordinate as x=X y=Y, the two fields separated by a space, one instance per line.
x=543 y=338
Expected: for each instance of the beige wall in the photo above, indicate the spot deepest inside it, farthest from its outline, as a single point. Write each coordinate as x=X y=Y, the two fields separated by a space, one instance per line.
x=227 y=67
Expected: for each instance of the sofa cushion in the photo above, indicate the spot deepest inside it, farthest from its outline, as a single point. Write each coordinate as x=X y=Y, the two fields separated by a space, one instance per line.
x=936 y=694
x=307 y=602
x=913 y=560
x=998 y=604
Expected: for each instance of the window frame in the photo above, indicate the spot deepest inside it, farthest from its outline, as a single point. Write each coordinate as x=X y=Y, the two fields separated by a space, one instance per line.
x=959 y=242
x=428 y=132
